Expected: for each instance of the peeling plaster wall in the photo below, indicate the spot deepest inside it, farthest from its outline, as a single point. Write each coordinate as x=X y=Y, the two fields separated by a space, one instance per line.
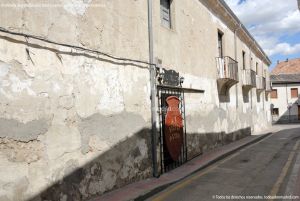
x=62 y=116
x=74 y=124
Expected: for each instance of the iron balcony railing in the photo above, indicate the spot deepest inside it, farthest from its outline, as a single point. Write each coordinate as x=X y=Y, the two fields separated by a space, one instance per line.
x=249 y=78
x=260 y=82
x=227 y=68
x=268 y=86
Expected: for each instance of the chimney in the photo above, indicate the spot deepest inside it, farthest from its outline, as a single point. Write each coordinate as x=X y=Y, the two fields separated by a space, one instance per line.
x=277 y=61
x=287 y=60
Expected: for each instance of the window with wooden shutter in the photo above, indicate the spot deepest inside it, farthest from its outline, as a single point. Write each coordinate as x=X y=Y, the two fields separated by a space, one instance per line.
x=294 y=92
x=274 y=94
x=165 y=13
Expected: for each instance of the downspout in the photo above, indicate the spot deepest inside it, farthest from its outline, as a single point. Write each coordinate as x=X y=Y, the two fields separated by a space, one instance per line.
x=264 y=93
x=235 y=57
x=287 y=101
x=251 y=93
x=286 y=94
x=153 y=91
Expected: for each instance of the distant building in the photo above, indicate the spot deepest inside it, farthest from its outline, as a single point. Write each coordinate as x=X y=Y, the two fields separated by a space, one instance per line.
x=285 y=79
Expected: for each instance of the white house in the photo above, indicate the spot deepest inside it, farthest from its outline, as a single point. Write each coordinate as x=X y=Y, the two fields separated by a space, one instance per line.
x=285 y=79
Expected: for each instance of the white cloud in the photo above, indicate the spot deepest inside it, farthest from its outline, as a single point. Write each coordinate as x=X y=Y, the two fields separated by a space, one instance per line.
x=289 y=24
x=269 y=20
x=262 y=11
x=284 y=49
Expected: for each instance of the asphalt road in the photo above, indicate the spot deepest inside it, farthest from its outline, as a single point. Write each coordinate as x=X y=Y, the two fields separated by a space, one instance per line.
x=261 y=171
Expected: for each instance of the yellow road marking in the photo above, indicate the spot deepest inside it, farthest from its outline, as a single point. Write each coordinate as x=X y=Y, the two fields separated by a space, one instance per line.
x=180 y=185
x=284 y=171
x=188 y=181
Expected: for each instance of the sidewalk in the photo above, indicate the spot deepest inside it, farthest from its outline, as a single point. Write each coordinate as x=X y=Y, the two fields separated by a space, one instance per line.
x=146 y=188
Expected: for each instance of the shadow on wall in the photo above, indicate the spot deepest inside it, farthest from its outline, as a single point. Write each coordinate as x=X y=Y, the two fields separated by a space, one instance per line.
x=114 y=168
x=224 y=94
x=122 y=164
x=111 y=167
x=246 y=92
x=198 y=144
x=288 y=116
x=258 y=95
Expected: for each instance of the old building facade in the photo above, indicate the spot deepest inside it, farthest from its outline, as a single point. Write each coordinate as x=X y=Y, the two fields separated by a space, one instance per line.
x=285 y=79
x=75 y=91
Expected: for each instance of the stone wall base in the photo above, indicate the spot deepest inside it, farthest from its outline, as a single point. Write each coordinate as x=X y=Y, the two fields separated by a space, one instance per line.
x=198 y=144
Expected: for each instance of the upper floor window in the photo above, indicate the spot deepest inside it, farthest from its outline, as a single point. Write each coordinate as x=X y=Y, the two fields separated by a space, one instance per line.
x=274 y=94
x=165 y=13
x=256 y=68
x=220 y=44
x=251 y=63
x=294 y=92
x=244 y=59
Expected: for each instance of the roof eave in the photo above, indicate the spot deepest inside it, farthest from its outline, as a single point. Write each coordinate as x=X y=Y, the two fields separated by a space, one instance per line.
x=245 y=30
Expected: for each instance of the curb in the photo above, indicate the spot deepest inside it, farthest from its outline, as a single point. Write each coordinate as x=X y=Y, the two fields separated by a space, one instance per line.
x=158 y=189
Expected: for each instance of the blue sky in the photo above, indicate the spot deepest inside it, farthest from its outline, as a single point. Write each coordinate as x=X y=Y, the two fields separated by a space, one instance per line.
x=275 y=24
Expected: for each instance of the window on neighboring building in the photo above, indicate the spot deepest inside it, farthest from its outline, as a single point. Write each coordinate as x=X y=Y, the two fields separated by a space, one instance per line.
x=165 y=13
x=220 y=44
x=275 y=112
x=294 y=92
x=274 y=93
x=244 y=59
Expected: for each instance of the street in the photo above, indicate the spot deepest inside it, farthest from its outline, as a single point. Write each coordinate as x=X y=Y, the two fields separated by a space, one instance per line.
x=262 y=171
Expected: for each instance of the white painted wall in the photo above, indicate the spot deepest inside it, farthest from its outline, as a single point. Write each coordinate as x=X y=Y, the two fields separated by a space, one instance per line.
x=284 y=99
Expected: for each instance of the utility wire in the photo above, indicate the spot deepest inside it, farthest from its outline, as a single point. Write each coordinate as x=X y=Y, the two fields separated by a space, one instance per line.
x=74 y=47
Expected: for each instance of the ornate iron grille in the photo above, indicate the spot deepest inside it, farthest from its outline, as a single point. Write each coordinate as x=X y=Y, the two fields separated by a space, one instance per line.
x=166 y=162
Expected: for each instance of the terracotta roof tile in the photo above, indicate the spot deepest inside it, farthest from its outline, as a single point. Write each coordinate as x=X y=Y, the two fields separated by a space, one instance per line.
x=287 y=67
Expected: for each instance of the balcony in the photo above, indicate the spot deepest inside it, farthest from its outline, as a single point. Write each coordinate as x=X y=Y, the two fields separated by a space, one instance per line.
x=268 y=86
x=260 y=83
x=227 y=73
x=249 y=78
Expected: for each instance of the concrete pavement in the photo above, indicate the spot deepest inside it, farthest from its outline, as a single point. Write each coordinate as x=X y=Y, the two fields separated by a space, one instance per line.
x=261 y=171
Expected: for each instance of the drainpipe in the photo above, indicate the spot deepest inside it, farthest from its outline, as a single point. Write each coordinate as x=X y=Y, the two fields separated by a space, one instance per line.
x=235 y=57
x=251 y=93
x=264 y=93
x=287 y=101
x=153 y=91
